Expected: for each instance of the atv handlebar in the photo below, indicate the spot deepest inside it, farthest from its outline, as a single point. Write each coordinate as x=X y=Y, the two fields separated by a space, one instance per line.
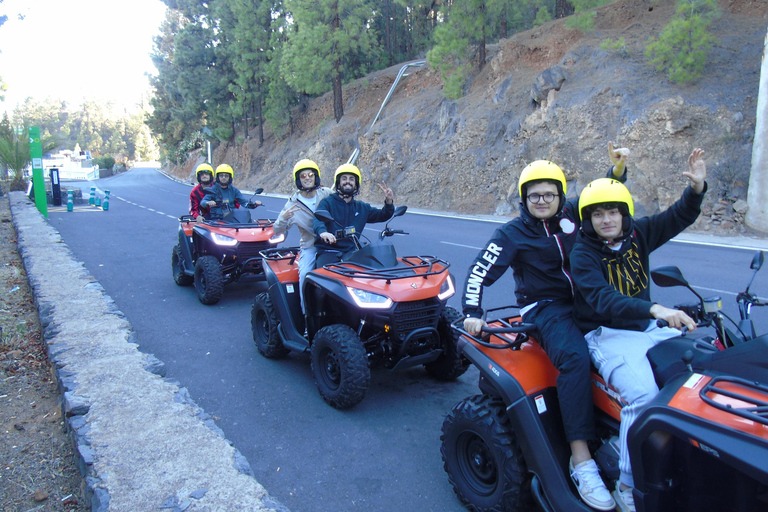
x=391 y=232
x=520 y=328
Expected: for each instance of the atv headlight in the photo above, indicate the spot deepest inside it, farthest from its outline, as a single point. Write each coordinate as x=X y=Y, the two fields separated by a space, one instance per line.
x=223 y=239
x=446 y=289
x=276 y=239
x=369 y=300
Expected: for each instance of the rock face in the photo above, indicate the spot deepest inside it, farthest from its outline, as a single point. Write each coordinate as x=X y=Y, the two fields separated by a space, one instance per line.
x=548 y=93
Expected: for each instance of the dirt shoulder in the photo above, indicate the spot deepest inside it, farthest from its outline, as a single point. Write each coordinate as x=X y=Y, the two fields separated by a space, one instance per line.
x=38 y=471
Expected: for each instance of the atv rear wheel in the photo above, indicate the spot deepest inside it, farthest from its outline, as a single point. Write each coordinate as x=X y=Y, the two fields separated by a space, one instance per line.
x=451 y=364
x=179 y=277
x=340 y=366
x=482 y=457
x=264 y=328
x=209 y=283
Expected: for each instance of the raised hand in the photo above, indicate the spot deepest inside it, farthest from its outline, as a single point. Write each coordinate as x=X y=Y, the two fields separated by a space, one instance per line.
x=697 y=172
x=389 y=196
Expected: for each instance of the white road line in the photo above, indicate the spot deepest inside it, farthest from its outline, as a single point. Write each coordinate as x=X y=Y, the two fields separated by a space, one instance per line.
x=462 y=245
x=721 y=291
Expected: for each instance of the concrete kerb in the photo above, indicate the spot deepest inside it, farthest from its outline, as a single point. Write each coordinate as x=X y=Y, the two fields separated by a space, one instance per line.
x=141 y=442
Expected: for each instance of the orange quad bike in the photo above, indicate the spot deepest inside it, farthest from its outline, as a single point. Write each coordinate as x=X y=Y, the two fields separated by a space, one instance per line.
x=222 y=249
x=700 y=446
x=370 y=308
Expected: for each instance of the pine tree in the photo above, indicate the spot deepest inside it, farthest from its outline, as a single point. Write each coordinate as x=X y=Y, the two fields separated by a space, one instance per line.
x=682 y=47
x=329 y=43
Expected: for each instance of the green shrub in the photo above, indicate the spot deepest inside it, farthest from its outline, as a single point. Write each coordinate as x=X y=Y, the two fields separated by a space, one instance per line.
x=619 y=45
x=542 y=16
x=682 y=47
x=583 y=22
x=104 y=162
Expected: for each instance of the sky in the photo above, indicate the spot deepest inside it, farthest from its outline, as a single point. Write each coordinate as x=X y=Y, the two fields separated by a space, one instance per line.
x=78 y=49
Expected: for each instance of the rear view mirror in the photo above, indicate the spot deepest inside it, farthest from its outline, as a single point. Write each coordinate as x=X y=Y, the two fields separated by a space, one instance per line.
x=668 y=276
x=757 y=260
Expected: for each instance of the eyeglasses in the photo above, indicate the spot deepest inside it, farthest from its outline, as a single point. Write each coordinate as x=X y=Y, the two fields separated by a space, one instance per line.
x=536 y=198
x=306 y=175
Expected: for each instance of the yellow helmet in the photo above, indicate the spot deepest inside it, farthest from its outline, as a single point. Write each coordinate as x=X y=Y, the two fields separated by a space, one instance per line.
x=347 y=169
x=204 y=167
x=541 y=170
x=606 y=191
x=304 y=165
x=225 y=169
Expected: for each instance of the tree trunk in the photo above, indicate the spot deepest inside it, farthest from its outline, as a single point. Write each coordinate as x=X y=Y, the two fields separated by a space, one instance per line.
x=481 y=46
x=245 y=119
x=260 y=115
x=563 y=8
x=338 y=102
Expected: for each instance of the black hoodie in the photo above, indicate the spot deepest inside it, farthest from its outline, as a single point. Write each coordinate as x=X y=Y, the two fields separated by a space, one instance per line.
x=537 y=250
x=613 y=286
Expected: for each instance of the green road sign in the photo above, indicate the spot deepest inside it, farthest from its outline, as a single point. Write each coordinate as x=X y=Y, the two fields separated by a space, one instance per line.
x=36 y=153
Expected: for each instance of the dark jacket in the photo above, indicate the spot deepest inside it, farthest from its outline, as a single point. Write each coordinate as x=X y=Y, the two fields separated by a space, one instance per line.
x=230 y=195
x=536 y=250
x=197 y=195
x=355 y=213
x=613 y=286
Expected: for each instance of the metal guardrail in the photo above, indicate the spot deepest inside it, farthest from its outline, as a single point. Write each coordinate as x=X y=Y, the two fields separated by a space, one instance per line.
x=400 y=74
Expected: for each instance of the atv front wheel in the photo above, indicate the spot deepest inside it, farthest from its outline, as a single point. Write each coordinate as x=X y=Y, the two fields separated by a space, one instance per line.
x=482 y=457
x=179 y=276
x=209 y=283
x=264 y=328
x=340 y=366
x=451 y=364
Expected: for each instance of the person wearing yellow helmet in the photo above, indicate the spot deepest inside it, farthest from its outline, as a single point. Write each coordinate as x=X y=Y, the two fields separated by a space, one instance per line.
x=613 y=306
x=299 y=211
x=348 y=212
x=223 y=194
x=536 y=246
x=204 y=174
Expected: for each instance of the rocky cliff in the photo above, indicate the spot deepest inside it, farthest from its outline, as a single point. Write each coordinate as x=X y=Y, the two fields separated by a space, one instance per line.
x=548 y=93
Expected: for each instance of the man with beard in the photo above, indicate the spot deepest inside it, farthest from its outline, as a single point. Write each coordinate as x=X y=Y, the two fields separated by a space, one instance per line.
x=347 y=212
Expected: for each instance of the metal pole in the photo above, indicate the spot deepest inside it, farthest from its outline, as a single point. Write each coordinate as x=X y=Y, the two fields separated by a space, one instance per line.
x=400 y=74
x=757 y=195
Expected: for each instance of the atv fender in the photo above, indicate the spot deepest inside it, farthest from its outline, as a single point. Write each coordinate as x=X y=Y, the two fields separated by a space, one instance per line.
x=685 y=423
x=541 y=456
x=288 y=310
x=186 y=252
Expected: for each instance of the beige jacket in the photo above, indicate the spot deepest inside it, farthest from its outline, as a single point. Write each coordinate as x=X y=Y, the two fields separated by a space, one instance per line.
x=302 y=217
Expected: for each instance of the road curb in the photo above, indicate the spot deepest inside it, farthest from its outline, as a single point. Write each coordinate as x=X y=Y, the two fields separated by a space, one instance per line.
x=141 y=443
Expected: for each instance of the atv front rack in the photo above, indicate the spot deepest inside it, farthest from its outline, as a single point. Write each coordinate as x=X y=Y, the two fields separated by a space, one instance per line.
x=755 y=409
x=413 y=267
x=280 y=253
x=255 y=223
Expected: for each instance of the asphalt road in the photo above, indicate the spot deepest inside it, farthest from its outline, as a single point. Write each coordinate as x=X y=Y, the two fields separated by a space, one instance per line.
x=384 y=454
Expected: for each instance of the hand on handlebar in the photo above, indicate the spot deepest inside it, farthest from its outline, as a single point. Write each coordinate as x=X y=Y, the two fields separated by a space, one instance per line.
x=211 y=204
x=673 y=317
x=474 y=325
x=328 y=238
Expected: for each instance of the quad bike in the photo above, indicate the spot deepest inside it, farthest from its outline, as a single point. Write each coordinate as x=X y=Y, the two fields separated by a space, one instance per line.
x=371 y=307
x=221 y=249
x=701 y=445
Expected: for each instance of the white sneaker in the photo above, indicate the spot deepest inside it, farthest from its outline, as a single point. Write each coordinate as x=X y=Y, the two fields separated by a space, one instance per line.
x=624 y=499
x=590 y=486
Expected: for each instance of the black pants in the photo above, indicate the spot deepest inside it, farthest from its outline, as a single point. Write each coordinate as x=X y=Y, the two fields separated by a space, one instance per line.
x=564 y=344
